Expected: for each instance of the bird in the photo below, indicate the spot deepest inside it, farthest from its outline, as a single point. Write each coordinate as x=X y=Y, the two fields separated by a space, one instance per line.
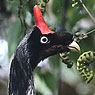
x=38 y=43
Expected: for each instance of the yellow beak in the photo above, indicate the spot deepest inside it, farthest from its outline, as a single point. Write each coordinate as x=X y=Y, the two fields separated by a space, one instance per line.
x=74 y=47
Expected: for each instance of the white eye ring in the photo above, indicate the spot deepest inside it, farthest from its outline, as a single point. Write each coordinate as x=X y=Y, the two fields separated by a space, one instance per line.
x=44 y=40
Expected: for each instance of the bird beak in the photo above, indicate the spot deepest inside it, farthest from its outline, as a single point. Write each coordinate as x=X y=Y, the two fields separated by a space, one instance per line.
x=74 y=47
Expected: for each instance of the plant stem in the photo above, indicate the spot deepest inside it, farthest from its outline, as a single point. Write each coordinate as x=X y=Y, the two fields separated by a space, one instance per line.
x=93 y=19
x=90 y=32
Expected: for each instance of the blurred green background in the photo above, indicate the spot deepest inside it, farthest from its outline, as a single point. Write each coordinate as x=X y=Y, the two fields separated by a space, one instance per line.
x=52 y=77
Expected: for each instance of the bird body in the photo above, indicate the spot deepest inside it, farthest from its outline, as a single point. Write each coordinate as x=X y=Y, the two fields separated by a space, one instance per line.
x=34 y=47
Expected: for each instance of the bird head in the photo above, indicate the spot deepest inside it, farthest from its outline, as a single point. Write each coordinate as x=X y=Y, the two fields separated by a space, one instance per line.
x=45 y=42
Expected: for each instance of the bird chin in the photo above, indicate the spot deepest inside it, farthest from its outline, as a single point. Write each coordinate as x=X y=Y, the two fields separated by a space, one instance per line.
x=53 y=51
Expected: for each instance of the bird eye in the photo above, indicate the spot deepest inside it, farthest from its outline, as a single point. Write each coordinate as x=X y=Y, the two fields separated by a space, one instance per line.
x=44 y=40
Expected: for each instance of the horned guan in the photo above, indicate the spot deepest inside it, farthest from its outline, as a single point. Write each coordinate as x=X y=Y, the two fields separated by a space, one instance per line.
x=39 y=43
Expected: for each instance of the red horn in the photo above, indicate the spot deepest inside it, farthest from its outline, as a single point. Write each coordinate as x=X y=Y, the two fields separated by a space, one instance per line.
x=40 y=22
